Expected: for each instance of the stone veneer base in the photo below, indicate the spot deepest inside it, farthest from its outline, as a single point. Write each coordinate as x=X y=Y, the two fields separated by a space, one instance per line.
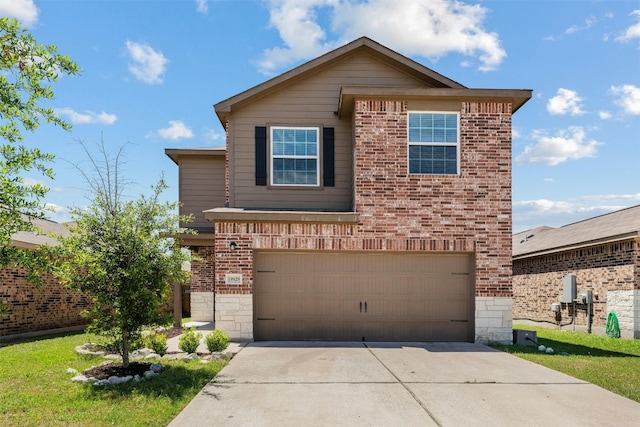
x=626 y=306
x=494 y=320
x=234 y=315
x=201 y=306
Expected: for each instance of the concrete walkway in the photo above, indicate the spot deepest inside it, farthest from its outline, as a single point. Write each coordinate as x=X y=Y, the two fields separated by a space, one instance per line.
x=397 y=384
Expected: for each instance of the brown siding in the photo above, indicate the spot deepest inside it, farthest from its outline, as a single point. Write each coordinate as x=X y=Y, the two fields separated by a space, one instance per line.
x=202 y=186
x=311 y=102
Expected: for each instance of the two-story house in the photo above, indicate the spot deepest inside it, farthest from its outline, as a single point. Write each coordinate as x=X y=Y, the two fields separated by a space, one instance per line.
x=360 y=196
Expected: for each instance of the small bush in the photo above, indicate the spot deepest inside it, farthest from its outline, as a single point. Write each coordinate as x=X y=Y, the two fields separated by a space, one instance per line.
x=217 y=340
x=189 y=340
x=156 y=342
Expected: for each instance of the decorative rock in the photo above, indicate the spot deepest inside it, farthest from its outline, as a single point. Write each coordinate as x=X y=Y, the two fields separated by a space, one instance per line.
x=80 y=379
x=542 y=348
x=149 y=374
x=89 y=349
x=155 y=367
x=113 y=356
x=114 y=380
x=152 y=356
x=72 y=371
x=549 y=350
x=141 y=353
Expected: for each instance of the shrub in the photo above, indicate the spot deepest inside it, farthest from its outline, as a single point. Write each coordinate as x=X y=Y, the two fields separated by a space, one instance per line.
x=189 y=340
x=156 y=342
x=217 y=340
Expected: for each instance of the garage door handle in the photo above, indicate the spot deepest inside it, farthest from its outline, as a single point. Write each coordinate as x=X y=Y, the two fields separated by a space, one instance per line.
x=360 y=306
x=365 y=306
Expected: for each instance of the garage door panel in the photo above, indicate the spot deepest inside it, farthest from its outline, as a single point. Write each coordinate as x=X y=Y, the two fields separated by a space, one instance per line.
x=351 y=296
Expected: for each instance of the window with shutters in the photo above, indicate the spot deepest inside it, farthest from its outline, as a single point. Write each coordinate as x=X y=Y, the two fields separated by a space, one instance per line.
x=294 y=156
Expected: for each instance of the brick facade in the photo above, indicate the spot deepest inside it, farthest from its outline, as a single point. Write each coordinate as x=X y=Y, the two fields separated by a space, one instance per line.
x=33 y=309
x=605 y=268
x=400 y=212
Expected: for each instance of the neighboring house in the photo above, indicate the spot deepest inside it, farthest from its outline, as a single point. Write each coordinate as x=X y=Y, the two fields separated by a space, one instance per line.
x=360 y=196
x=32 y=310
x=603 y=253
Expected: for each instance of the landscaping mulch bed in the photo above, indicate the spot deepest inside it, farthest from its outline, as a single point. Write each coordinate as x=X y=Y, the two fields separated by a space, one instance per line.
x=107 y=370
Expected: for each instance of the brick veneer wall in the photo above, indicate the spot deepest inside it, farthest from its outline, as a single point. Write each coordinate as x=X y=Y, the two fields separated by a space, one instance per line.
x=470 y=212
x=34 y=309
x=202 y=268
x=537 y=281
x=402 y=212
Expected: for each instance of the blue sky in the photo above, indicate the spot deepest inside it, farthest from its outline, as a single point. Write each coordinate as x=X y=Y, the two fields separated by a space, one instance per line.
x=153 y=69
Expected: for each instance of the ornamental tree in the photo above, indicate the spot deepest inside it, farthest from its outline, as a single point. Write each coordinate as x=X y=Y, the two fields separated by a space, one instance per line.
x=123 y=254
x=27 y=70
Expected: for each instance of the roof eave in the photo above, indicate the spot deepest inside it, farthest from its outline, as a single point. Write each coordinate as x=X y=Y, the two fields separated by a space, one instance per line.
x=609 y=239
x=517 y=97
x=175 y=153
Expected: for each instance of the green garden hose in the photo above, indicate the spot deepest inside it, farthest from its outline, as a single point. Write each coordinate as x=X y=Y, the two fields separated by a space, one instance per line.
x=613 y=328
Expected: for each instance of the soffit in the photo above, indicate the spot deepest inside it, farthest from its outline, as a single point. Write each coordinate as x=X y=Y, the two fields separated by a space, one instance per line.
x=176 y=153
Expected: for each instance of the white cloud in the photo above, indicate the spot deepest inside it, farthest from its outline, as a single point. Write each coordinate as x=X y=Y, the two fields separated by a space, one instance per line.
x=576 y=28
x=569 y=144
x=57 y=213
x=176 y=130
x=605 y=115
x=430 y=29
x=628 y=98
x=203 y=7
x=214 y=136
x=33 y=181
x=529 y=214
x=87 y=117
x=24 y=11
x=148 y=64
x=633 y=32
x=565 y=102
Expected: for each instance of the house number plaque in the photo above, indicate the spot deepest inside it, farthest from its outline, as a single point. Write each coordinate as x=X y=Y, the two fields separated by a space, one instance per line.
x=233 y=279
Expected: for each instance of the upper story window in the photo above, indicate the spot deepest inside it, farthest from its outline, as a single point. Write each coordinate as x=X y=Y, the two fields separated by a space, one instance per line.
x=434 y=143
x=294 y=156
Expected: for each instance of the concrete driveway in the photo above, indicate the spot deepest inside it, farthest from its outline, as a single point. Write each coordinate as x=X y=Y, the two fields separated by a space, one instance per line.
x=397 y=384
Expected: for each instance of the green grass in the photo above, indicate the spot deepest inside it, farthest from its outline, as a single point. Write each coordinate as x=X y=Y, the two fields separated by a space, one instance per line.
x=35 y=389
x=613 y=364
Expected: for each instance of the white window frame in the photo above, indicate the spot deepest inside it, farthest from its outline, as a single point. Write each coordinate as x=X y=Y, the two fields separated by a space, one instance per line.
x=435 y=143
x=273 y=156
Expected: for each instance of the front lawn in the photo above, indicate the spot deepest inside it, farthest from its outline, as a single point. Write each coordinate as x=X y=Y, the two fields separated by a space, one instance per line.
x=611 y=363
x=35 y=389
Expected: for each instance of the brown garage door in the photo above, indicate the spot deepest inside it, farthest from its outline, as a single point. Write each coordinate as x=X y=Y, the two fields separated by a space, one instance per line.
x=347 y=296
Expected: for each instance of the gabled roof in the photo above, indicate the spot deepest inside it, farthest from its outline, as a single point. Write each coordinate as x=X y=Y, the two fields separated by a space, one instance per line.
x=615 y=226
x=417 y=70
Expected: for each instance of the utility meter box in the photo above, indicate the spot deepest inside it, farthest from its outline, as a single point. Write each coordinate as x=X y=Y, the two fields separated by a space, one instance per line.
x=568 y=288
x=586 y=297
x=555 y=307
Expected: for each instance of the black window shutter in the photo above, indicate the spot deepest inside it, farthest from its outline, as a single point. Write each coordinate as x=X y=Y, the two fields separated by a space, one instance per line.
x=261 y=155
x=328 y=158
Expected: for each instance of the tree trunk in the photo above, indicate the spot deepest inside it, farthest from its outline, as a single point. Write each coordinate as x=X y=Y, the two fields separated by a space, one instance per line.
x=125 y=349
